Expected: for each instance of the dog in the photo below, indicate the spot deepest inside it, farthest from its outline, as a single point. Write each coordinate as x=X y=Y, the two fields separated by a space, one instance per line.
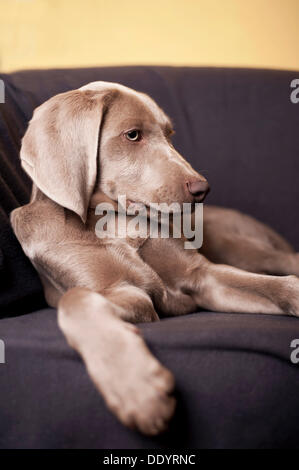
x=86 y=147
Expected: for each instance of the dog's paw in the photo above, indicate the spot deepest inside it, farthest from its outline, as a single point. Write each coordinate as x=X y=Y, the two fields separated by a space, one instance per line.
x=289 y=301
x=135 y=386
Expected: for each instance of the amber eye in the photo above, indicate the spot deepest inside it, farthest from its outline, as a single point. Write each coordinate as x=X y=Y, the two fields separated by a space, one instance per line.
x=134 y=135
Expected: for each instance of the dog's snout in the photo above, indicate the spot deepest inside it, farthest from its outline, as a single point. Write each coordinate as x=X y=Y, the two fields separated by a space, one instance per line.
x=199 y=189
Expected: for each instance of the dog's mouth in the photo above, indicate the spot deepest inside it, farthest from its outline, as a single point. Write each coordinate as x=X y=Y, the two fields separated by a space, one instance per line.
x=124 y=204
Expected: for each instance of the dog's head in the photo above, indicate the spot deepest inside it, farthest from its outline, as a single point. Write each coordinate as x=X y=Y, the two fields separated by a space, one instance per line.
x=106 y=138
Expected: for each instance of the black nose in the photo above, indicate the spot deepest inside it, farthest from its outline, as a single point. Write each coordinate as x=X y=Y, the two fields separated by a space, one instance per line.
x=199 y=189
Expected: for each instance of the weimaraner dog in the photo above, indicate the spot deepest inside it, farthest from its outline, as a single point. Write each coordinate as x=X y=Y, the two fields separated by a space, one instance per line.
x=88 y=146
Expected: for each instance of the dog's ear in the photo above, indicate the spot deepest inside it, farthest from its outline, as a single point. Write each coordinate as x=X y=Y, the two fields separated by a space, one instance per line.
x=59 y=149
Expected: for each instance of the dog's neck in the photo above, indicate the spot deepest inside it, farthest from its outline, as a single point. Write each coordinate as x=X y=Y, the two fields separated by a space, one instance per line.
x=92 y=218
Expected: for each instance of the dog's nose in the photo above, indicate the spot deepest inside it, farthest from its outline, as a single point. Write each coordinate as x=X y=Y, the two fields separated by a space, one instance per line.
x=199 y=189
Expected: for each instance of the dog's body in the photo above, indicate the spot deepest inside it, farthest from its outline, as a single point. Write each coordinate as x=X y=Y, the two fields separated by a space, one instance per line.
x=97 y=283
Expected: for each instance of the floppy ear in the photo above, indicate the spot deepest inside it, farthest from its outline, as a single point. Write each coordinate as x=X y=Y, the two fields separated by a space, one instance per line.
x=59 y=149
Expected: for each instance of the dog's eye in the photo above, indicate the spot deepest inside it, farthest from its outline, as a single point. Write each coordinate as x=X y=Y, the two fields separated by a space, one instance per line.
x=134 y=135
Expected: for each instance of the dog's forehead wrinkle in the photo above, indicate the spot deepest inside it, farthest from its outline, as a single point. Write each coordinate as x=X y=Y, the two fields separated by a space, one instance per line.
x=137 y=107
x=161 y=117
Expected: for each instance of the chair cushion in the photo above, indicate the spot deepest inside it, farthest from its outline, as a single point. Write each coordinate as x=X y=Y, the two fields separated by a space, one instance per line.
x=235 y=384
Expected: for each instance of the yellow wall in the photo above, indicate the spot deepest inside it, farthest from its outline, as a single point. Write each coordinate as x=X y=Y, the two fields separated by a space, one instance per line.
x=63 y=33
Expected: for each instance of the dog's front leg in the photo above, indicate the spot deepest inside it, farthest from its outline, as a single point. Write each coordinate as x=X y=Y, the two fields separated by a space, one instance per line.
x=227 y=289
x=135 y=386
